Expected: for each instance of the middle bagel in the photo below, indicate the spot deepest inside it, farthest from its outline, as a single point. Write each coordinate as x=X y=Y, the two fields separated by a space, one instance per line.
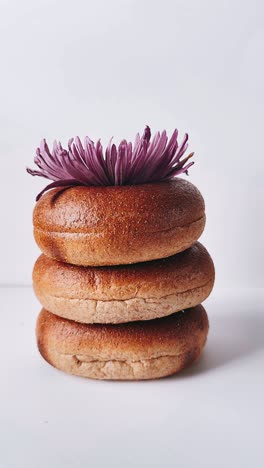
x=124 y=293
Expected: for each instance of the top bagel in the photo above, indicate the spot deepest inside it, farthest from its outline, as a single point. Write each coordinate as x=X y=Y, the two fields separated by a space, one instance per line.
x=118 y=224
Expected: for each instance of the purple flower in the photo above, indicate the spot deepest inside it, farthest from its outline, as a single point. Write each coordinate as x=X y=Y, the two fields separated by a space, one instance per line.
x=86 y=163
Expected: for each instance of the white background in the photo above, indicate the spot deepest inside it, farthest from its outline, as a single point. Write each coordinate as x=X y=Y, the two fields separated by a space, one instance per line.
x=108 y=68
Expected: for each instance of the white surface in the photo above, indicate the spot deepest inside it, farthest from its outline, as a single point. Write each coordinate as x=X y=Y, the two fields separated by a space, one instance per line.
x=107 y=68
x=209 y=416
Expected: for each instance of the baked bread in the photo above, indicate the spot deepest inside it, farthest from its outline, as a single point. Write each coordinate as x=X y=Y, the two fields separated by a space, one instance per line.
x=124 y=293
x=118 y=224
x=130 y=351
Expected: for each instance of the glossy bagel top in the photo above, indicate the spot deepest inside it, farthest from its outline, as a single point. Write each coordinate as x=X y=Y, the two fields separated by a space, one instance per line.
x=122 y=224
x=79 y=209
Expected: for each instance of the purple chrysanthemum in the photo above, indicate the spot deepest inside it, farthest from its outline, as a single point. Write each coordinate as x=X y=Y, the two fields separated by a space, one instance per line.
x=86 y=164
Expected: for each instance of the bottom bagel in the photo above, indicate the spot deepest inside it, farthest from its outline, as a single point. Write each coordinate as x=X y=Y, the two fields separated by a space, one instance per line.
x=129 y=351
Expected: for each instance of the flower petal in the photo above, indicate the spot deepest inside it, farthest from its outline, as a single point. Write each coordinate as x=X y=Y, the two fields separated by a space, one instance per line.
x=147 y=160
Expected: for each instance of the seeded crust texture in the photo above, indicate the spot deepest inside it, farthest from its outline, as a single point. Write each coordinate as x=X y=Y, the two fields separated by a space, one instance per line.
x=92 y=226
x=130 y=351
x=124 y=293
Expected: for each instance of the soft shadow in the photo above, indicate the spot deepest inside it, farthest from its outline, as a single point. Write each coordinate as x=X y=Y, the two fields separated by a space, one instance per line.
x=58 y=194
x=230 y=339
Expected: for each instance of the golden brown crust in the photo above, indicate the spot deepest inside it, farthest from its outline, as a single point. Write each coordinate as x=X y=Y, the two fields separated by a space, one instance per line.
x=148 y=349
x=118 y=225
x=118 y=294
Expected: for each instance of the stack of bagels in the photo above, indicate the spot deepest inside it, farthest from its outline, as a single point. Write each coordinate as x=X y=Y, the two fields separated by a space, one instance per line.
x=121 y=279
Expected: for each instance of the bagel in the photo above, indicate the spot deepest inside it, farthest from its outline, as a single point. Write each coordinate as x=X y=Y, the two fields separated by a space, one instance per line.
x=113 y=225
x=130 y=351
x=124 y=293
